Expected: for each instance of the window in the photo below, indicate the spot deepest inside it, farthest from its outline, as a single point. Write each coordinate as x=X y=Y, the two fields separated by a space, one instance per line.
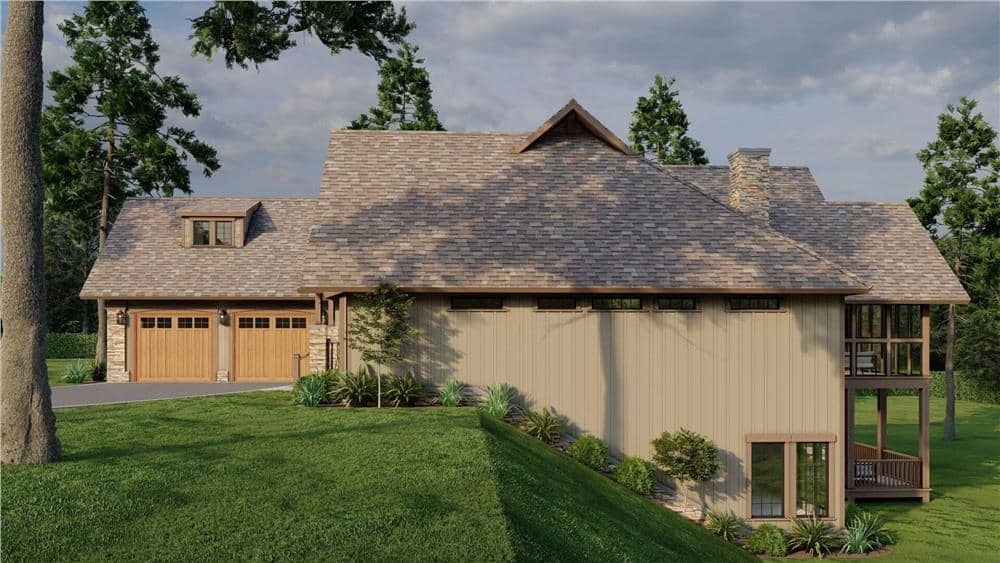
x=556 y=303
x=767 y=479
x=812 y=479
x=261 y=322
x=246 y=322
x=616 y=303
x=676 y=304
x=200 y=237
x=223 y=233
x=201 y=322
x=869 y=321
x=298 y=322
x=790 y=475
x=147 y=322
x=754 y=304
x=185 y=322
x=473 y=302
x=906 y=321
x=282 y=322
x=163 y=322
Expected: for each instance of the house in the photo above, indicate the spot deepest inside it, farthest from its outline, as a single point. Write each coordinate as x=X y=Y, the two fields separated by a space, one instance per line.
x=734 y=300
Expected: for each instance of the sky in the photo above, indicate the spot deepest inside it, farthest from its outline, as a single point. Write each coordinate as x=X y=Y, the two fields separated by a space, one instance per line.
x=850 y=90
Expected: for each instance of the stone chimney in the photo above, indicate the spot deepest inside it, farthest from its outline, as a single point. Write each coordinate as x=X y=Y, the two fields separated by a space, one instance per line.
x=750 y=182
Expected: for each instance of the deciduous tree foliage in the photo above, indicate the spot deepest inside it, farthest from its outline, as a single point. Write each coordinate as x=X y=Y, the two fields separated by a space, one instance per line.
x=960 y=205
x=252 y=33
x=659 y=129
x=404 y=96
x=687 y=456
x=27 y=425
x=381 y=326
x=106 y=135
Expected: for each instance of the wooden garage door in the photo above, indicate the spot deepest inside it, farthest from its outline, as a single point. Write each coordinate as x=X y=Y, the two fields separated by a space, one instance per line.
x=175 y=346
x=265 y=343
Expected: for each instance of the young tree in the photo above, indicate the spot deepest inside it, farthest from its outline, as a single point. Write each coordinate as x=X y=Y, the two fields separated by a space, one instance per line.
x=381 y=326
x=27 y=425
x=108 y=121
x=404 y=96
x=251 y=33
x=686 y=456
x=659 y=129
x=959 y=204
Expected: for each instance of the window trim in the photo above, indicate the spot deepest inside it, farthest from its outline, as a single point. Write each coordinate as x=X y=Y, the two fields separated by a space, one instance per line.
x=212 y=232
x=696 y=309
x=781 y=304
x=503 y=303
x=790 y=474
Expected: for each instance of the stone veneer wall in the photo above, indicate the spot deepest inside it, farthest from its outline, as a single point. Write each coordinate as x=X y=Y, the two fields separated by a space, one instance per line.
x=749 y=182
x=318 y=334
x=117 y=366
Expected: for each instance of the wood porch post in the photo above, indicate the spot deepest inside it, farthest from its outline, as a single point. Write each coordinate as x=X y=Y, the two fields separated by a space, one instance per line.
x=880 y=433
x=342 y=332
x=925 y=439
x=925 y=337
x=849 y=436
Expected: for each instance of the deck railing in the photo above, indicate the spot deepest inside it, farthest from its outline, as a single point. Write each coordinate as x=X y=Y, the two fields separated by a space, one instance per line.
x=893 y=470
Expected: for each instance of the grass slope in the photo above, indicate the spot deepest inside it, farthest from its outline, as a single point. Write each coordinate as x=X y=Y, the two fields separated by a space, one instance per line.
x=251 y=477
x=962 y=520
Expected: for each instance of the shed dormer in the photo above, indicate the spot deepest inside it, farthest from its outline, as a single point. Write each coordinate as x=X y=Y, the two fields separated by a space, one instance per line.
x=216 y=224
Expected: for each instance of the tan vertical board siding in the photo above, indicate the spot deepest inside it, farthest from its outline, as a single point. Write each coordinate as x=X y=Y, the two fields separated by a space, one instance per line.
x=628 y=376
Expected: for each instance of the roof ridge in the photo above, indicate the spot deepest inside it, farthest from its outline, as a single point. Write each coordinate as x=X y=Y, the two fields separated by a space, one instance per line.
x=767 y=228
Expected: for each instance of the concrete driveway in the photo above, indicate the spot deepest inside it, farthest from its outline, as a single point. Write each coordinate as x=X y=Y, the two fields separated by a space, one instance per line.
x=111 y=393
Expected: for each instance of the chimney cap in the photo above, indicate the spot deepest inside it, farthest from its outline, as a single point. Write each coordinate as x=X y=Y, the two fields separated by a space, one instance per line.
x=750 y=151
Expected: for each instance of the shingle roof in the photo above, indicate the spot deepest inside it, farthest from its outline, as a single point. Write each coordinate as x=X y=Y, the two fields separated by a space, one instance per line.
x=462 y=211
x=144 y=256
x=881 y=242
x=217 y=207
x=789 y=184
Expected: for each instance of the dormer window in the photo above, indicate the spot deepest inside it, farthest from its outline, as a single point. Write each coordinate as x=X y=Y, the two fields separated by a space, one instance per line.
x=212 y=233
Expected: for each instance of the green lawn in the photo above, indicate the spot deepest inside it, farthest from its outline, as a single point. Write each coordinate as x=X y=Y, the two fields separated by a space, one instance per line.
x=962 y=520
x=58 y=368
x=251 y=477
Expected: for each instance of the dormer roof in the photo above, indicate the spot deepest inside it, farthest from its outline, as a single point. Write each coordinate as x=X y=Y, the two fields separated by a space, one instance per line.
x=570 y=119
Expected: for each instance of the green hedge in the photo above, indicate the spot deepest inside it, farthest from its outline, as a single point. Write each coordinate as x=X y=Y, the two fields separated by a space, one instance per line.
x=71 y=345
x=966 y=389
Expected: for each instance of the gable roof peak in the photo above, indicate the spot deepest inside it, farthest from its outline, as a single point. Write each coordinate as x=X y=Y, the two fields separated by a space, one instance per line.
x=586 y=121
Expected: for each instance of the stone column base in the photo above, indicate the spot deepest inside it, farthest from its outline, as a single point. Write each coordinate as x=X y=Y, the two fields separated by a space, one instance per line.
x=222 y=375
x=121 y=376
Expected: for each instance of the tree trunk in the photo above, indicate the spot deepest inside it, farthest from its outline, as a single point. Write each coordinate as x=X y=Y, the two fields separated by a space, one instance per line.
x=27 y=425
x=101 y=353
x=949 y=377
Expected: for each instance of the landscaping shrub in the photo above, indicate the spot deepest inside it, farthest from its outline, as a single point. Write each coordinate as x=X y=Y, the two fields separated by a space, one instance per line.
x=769 y=540
x=311 y=391
x=726 y=525
x=814 y=536
x=77 y=373
x=451 y=393
x=636 y=474
x=851 y=511
x=356 y=389
x=404 y=389
x=544 y=425
x=499 y=400
x=70 y=345
x=866 y=532
x=590 y=451
x=99 y=372
x=686 y=456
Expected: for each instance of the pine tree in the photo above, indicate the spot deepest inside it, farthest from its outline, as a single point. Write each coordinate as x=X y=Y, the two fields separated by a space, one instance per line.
x=106 y=135
x=404 y=96
x=659 y=129
x=27 y=424
x=961 y=194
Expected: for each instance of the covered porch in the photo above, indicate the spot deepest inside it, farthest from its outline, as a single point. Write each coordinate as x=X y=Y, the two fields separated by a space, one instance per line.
x=875 y=470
